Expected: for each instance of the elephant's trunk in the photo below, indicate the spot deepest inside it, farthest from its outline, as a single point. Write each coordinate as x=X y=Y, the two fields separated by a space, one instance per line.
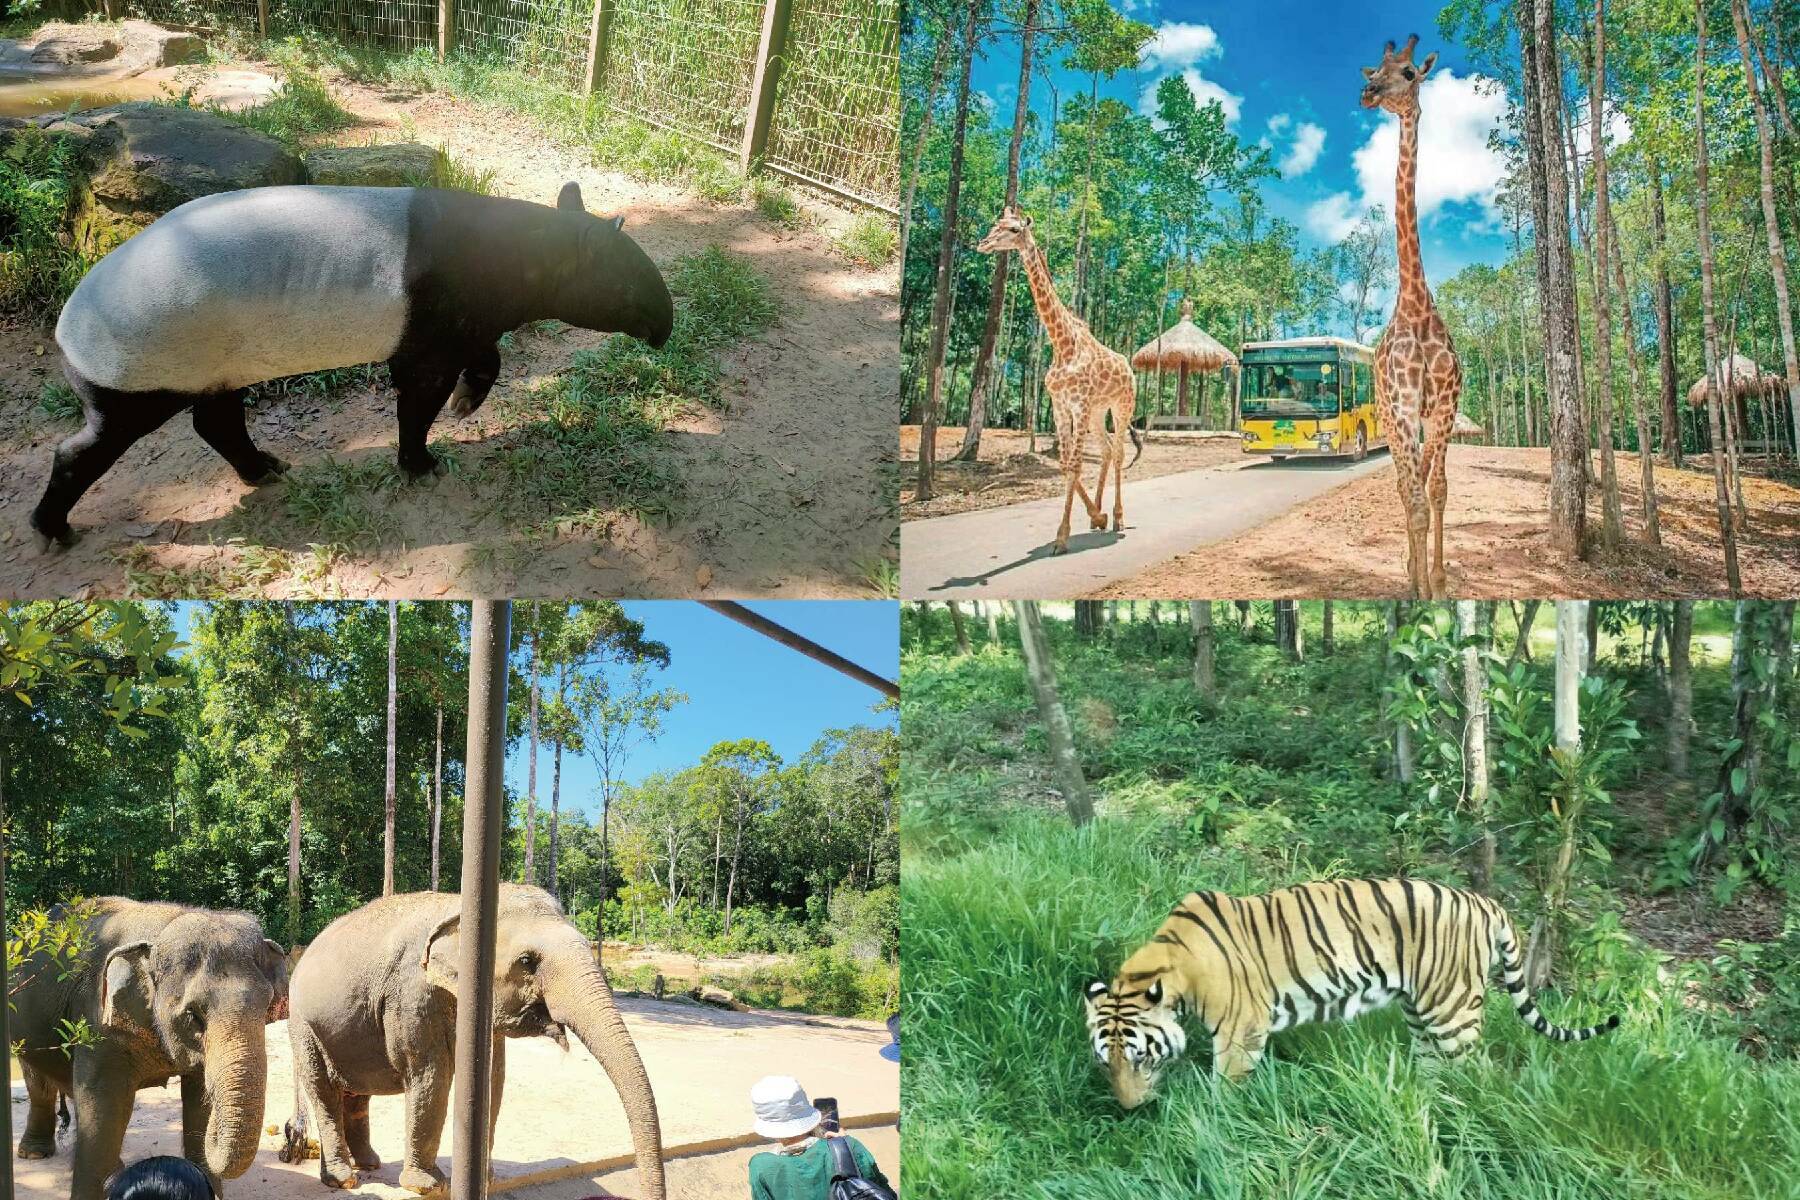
x=578 y=996
x=236 y=1076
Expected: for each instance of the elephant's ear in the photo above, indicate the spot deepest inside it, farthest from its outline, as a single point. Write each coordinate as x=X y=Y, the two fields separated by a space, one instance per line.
x=441 y=950
x=126 y=987
x=274 y=962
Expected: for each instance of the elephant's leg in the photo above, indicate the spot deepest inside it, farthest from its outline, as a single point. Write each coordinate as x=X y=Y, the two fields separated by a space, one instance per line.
x=39 y=1137
x=103 y=1101
x=497 y=1090
x=427 y=1100
x=356 y=1133
x=326 y=1100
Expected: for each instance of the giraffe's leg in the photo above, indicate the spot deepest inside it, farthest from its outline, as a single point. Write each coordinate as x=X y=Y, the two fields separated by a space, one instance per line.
x=1071 y=472
x=1096 y=514
x=1437 y=491
x=1118 y=445
x=1407 y=468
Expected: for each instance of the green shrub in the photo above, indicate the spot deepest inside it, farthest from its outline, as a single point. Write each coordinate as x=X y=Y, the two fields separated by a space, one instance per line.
x=301 y=108
x=774 y=201
x=870 y=240
x=38 y=265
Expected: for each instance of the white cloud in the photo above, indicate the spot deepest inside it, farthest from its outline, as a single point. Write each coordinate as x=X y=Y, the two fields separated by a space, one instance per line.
x=1180 y=44
x=1304 y=151
x=1205 y=92
x=1456 y=164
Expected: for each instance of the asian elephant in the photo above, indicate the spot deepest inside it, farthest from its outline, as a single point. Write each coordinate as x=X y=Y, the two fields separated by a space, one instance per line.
x=166 y=990
x=373 y=1013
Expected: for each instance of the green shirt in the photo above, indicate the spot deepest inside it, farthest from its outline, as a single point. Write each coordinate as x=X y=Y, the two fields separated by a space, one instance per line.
x=806 y=1176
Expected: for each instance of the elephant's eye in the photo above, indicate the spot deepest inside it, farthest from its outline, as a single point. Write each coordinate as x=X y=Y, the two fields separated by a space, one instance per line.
x=198 y=1020
x=529 y=960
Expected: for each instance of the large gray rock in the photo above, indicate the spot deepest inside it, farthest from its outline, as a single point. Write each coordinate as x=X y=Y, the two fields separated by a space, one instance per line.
x=144 y=159
x=58 y=48
x=406 y=164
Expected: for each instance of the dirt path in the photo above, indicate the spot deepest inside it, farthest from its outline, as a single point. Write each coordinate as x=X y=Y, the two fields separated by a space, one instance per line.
x=560 y=1112
x=1350 y=543
x=1008 y=472
x=786 y=493
x=1006 y=553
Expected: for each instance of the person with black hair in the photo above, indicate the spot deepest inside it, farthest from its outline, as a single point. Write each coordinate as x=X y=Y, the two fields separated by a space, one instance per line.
x=161 y=1178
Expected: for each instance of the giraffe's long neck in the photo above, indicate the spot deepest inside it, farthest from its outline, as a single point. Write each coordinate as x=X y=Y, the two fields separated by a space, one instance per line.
x=1057 y=322
x=1414 y=299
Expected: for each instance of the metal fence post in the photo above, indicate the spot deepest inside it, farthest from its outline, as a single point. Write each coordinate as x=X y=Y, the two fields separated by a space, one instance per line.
x=596 y=59
x=262 y=19
x=483 y=815
x=776 y=17
x=446 y=27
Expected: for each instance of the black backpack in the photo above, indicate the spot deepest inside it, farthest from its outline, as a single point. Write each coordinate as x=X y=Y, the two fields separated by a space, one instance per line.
x=847 y=1182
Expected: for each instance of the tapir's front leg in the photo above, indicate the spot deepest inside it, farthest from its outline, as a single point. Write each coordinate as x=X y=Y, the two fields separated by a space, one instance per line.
x=424 y=384
x=477 y=381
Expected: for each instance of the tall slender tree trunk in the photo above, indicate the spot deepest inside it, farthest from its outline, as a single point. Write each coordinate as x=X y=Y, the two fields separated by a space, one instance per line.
x=293 y=881
x=1042 y=676
x=1200 y=617
x=940 y=300
x=387 y=850
x=962 y=630
x=991 y=610
x=940 y=61
x=1326 y=632
x=1475 y=770
x=1652 y=532
x=528 y=873
x=1556 y=278
x=1709 y=323
x=1665 y=321
x=971 y=443
x=437 y=795
x=1784 y=314
x=1612 y=523
x=1571 y=653
x=1681 y=689
x=1403 y=753
x=556 y=749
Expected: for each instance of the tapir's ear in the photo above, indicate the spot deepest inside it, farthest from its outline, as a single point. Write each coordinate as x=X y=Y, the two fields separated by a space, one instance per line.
x=617 y=223
x=569 y=199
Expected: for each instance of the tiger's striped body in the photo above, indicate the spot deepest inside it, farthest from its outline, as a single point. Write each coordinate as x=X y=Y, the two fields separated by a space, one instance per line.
x=1251 y=966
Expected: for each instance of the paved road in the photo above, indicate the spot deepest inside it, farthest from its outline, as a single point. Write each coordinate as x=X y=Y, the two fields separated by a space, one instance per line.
x=1004 y=553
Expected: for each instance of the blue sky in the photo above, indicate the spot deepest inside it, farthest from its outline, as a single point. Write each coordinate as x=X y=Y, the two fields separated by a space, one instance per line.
x=739 y=684
x=1291 y=73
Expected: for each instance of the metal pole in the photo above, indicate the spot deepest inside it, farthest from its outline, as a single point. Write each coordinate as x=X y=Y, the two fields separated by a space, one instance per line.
x=490 y=635
x=793 y=641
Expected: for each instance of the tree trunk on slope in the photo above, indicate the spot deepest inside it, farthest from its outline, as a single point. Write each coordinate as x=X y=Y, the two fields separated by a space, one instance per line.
x=1042 y=676
x=437 y=796
x=1709 y=323
x=1612 y=524
x=387 y=845
x=1200 y=617
x=962 y=630
x=528 y=873
x=1681 y=689
x=1665 y=322
x=1475 y=772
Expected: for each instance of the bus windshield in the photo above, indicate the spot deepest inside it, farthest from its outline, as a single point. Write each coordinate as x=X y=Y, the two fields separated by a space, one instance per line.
x=1304 y=390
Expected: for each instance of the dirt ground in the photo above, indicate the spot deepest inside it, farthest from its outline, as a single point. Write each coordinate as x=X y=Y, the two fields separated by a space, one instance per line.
x=1007 y=473
x=786 y=493
x=1352 y=541
x=560 y=1120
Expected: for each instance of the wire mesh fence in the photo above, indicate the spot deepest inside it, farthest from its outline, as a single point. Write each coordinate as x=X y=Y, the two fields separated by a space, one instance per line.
x=837 y=107
x=684 y=65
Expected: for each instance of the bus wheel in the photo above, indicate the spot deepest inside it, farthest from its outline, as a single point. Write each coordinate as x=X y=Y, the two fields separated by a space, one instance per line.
x=1362 y=444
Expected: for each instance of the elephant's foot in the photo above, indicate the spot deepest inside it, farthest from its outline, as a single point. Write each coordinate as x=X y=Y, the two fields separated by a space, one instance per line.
x=341 y=1176
x=423 y=1180
x=37 y=1147
x=365 y=1159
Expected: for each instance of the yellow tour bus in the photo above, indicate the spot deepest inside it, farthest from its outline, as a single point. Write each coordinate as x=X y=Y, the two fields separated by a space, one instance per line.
x=1312 y=395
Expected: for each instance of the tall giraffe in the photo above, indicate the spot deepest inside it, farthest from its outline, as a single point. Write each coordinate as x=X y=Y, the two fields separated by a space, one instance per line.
x=1086 y=380
x=1418 y=380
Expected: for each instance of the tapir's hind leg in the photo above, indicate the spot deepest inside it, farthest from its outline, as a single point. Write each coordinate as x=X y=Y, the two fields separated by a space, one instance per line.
x=477 y=381
x=424 y=384
x=220 y=420
x=115 y=420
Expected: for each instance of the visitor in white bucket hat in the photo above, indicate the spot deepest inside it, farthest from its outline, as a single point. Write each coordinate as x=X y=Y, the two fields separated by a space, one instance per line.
x=806 y=1162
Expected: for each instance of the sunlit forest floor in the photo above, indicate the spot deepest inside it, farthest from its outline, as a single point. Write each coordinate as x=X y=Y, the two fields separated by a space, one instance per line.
x=1352 y=541
x=1008 y=910
x=782 y=483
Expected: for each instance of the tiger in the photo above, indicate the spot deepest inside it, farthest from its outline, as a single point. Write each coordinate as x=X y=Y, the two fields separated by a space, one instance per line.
x=1329 y=950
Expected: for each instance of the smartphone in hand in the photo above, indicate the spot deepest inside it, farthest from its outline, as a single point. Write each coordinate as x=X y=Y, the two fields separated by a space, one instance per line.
x=828 y=1109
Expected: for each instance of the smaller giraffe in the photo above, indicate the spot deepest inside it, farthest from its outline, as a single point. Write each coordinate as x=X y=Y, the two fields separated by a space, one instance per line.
x=1086 y=381
x=1418 y=380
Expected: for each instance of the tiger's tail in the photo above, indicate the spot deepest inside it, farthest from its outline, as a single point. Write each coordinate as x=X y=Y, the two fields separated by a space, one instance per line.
x=1512 y=970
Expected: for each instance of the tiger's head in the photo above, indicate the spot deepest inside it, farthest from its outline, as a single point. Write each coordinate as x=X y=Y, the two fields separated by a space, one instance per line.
x=1134 y=1027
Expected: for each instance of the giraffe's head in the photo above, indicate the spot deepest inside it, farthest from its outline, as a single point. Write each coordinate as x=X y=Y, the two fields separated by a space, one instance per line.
x=1011 y=232
x=1394 y=85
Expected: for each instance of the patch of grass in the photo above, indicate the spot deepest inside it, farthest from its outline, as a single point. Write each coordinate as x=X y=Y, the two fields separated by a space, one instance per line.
x=39 y=265
x=775 y=202
x=347 y=502
x=247 y=569
x=824 y=980
x=595 y=438
x=449 y=172
x=869 y=241
x=301 y=108
x=882 y=574
x=59 y=402
x=319 y=385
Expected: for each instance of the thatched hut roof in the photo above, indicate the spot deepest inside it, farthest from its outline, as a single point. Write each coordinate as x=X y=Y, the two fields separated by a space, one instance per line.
x=1745 y=378
x=1183 y=344
x=1466 y=428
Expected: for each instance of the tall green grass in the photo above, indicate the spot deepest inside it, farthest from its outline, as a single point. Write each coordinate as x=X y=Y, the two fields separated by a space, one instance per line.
x=1002 y=1097
x=38 y=182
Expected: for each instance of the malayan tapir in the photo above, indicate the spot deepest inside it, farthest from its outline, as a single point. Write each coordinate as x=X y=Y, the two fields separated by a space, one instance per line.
x=233 y=289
